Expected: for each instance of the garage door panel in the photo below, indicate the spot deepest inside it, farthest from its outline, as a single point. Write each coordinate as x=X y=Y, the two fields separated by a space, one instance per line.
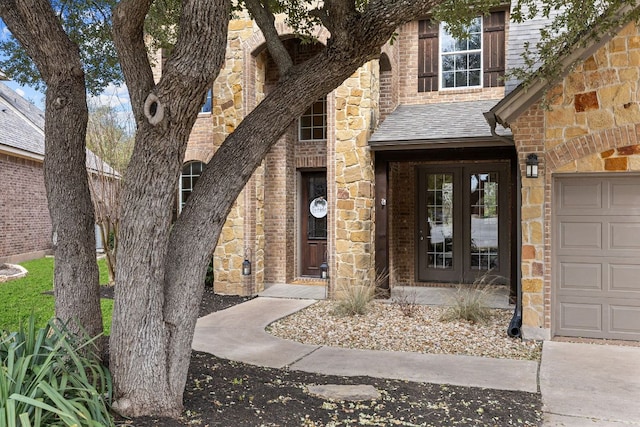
x=578 y=196
x=580 y=317
x=625 y=319
x=624 y=235
x=580 y=276
x=624 y=278
x=576 y=235
x=625 y=197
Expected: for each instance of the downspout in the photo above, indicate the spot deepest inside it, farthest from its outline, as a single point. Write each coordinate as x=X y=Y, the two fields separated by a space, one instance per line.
x=514 y=329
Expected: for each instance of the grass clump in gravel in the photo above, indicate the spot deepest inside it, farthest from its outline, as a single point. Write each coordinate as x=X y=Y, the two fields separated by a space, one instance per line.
x=470 y=302
x=354 y=299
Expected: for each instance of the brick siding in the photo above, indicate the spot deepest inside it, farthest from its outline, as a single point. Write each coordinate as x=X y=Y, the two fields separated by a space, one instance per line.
x=25 y=226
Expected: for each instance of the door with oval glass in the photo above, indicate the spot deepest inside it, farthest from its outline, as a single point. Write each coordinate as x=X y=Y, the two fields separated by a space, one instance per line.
x=313 y=222
x=463 y=222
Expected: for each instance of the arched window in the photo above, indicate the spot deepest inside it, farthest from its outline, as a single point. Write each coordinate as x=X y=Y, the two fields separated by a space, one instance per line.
x=191 y=171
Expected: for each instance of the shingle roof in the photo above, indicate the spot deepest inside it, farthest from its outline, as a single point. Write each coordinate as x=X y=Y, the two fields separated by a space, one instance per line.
x=441 y=122
x=21 y=123
x=22 y=128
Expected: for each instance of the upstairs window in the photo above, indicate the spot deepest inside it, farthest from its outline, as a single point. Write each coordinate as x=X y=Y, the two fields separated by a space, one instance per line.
x=312 y=125
x=477 y=61
x=461 y=59
x=206 y=107
x=190 y=173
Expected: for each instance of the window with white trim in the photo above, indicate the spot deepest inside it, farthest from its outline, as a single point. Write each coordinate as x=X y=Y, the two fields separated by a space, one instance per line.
x=190 y=173
x=479 y=61
x=206 y=107
x=312 y=125
x=461 y=59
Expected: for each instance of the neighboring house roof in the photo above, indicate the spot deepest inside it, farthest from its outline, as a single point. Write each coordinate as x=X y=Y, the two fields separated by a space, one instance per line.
x=523 y=96
x=454 y=124
x=22 y=131
x=21 y=125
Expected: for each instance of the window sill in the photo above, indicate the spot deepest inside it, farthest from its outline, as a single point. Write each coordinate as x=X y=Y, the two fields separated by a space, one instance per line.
x=454 y=91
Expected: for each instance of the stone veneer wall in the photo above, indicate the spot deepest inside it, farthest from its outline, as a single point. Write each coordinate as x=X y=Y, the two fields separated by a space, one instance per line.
x=355 y=102
x=593 y=126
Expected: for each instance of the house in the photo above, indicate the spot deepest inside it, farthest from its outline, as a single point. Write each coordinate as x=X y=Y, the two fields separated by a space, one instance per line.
x=25 y=225
x=416 y=165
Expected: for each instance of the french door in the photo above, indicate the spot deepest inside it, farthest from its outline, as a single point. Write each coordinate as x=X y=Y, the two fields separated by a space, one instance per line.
x=463 y=222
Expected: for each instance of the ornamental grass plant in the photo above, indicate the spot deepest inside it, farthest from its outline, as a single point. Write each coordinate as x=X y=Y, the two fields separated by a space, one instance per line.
x=470 y=302
x=354 y=299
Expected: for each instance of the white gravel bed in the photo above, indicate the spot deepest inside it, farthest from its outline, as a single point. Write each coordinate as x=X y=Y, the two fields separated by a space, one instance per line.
x=385 y=327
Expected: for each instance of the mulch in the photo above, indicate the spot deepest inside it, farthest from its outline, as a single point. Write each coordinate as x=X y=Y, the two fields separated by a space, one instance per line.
x=220 y=392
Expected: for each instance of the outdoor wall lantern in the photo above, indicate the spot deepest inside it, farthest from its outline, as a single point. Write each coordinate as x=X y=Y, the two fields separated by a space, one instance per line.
x=246 y=264
x=532 y=165
x=324 y=270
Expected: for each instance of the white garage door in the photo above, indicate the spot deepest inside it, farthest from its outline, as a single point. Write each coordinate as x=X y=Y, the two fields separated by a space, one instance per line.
x=596 y=248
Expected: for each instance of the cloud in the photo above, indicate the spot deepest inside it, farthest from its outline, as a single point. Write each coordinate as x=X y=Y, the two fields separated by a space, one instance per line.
x=20 y=92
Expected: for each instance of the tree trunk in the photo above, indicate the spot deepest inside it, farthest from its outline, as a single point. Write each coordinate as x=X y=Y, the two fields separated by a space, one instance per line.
x=160 y=272
x=76 y=287
x=165 y=113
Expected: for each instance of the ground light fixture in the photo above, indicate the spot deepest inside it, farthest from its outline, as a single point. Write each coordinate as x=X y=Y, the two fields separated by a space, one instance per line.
x=324 y=270
x=532 y=165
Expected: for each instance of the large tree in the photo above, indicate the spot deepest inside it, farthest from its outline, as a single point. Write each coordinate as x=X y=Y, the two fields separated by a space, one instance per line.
x=160 y=267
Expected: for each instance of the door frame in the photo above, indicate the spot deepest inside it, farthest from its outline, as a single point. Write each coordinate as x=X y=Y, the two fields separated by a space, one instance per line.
x=462 y=271
x=301 y=219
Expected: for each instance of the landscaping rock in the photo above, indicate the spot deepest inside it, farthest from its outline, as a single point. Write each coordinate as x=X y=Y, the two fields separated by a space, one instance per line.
x=337 y=392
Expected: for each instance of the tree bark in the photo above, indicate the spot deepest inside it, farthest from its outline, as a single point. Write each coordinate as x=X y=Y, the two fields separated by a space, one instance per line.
x=197 y=229
x=76 y=287
x=165 y=113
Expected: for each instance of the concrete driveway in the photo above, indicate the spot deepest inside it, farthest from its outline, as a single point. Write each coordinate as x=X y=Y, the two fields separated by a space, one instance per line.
x=590 y=384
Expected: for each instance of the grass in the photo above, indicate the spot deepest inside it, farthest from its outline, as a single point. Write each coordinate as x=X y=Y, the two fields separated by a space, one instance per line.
x=470 y=302
x=22 y=297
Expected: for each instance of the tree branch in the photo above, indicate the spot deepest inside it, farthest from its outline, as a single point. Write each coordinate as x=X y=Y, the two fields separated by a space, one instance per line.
x=128 y=37
x=265 y=20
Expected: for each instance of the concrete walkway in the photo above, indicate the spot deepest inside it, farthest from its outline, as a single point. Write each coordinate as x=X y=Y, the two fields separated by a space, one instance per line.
x=581 y=384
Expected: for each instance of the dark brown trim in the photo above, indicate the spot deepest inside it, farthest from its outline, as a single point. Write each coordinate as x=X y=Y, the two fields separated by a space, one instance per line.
x=382 y=219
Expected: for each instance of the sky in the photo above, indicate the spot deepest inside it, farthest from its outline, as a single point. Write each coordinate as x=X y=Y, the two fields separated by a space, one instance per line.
x=114 y=96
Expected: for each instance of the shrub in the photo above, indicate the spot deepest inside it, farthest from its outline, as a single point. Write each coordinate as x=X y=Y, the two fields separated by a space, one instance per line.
x=406 y=303
x=355 y=299
x=470 y=301
x=51 y=378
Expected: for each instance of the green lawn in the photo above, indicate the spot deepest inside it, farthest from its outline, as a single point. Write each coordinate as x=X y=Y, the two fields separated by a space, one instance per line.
x=19 y=298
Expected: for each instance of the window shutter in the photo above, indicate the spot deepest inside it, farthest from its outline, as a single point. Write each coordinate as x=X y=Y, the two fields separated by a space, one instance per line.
x=428 y=55
x=493 y=46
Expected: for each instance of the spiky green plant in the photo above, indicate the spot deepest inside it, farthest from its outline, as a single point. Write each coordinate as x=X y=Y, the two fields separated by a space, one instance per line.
x=51 y=378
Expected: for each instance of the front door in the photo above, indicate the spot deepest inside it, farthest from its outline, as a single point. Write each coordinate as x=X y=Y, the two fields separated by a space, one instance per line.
x=463 y=222
x=313 y=222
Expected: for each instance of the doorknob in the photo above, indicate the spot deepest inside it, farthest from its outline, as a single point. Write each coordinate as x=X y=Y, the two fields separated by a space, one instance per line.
x=421 y=236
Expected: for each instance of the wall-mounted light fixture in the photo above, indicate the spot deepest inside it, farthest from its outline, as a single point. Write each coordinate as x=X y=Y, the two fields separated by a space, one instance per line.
x=246 y=264
x=532 y=165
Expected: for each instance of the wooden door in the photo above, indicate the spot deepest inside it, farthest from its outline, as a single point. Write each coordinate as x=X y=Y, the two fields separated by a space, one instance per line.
x=313 y=222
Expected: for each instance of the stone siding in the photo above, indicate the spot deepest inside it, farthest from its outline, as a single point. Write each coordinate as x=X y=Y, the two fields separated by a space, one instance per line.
x=354 y=175
x=593 y=125
x=25 y=225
